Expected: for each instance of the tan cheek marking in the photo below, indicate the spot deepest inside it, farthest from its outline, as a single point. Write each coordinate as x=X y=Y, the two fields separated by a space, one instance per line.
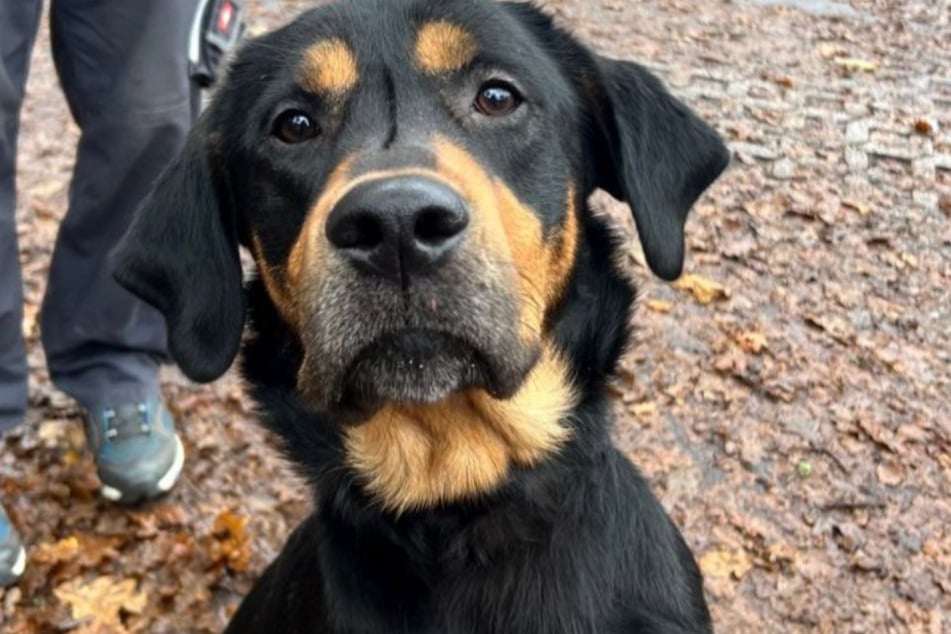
x=414 y=457
x=443 y=47
x=275 y=281
x=308 y=259
x=329 y=67
x=510 y=232
x=563 y=252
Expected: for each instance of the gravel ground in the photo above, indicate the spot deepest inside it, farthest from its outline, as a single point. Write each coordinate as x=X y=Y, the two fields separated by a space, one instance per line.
x=788 y=399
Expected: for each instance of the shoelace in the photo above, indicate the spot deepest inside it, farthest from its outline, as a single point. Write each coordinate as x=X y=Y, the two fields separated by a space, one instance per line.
x=127 y=424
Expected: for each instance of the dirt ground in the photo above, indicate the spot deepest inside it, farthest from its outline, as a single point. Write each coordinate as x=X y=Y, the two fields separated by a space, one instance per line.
x=788 y=399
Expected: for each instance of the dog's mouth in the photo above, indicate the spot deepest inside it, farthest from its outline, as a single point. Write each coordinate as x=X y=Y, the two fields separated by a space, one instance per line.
x=368 y=344
x=420 y=366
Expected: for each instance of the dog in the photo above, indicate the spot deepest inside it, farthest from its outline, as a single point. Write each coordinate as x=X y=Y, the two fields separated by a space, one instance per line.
x=436 y=312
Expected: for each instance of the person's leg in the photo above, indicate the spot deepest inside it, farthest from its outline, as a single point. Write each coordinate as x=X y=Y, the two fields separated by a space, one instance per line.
x=123 y=67
x=18 y=25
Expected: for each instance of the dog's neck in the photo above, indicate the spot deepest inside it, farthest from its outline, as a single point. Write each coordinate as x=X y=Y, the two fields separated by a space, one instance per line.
x=420 y=456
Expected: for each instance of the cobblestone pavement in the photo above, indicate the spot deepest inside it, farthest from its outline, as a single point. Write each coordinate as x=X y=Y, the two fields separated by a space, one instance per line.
x=789 y=400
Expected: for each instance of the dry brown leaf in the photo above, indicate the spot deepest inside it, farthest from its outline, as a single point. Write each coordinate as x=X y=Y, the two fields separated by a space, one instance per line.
x=659 y=306
x=725 y=564
x=780 y=555
x=704 y=290
x=55 y=553
x=923 y=126
x=944 y=204
x=231 y=545
x=753 y=342
x=102 y=601
x=890 y=473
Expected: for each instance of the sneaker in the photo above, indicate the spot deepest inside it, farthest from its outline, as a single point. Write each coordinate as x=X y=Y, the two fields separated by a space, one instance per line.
x=12 y=554
x=138 y=454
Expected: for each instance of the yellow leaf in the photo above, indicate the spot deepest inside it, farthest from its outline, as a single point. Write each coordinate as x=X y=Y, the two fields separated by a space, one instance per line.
x=861 y=208
x=704 y=290
x=827 y=51
x=102 y=600
x=724 y=564
x=643 y=409
x=30 y=313
x=855 y=64
x=659 y=306
x=54 y=553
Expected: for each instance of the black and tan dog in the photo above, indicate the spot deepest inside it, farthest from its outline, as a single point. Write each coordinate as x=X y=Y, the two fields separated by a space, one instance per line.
x=436 y=314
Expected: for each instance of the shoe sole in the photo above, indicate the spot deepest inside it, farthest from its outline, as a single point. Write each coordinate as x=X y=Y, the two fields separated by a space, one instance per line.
x=10 y=577
x=20 y=565
x=164 y=484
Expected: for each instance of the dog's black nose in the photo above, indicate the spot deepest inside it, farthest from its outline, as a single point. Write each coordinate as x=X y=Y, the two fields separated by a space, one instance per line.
x=398 y=227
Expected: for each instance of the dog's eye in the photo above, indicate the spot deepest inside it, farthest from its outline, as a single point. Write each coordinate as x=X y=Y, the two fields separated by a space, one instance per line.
x=497 y=99
x=294 y=126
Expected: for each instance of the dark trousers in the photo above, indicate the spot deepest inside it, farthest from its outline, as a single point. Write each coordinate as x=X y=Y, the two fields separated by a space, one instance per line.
x=123 y=67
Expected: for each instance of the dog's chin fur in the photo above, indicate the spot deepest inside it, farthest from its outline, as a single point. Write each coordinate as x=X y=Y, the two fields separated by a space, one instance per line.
x=419 y=367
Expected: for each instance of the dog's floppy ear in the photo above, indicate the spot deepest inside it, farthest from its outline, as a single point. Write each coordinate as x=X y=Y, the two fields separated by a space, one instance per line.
x=181 y=256
x=653 y=153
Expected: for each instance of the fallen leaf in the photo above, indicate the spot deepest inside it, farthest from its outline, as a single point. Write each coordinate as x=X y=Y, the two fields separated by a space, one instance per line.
x=924 y=127
x=51 y=432
x=753 y=342
x=45 y=188
x=855 y=64
x=55 y=553
x=643 y=409
x=862 y=209
x=230 y=544
x=102 y=601
x=944 y=203
x=828 y=50
x=659 y=306
x=30 y=313
x=890 y=473
x=704 y=290
x=725 y=564
x=780 y=555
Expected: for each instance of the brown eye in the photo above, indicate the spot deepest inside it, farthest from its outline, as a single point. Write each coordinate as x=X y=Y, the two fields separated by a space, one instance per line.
x=497 y=99
x=294 y=126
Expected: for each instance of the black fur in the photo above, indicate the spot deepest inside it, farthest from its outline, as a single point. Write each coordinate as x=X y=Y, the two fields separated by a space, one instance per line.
x=576 y=545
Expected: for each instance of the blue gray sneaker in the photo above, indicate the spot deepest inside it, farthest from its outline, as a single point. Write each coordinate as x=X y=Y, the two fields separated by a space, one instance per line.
x=138 y=454
x=12 y=554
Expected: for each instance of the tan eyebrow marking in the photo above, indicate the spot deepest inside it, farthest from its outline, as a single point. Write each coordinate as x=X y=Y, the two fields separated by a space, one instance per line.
x=443 y=47
x=329 y=67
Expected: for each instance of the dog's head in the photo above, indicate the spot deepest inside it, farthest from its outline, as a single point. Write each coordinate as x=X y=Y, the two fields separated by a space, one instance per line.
x=411 y=179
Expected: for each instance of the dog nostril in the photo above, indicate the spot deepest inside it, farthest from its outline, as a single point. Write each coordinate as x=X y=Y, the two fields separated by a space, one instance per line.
x=360 y=231
x=435 y=225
